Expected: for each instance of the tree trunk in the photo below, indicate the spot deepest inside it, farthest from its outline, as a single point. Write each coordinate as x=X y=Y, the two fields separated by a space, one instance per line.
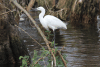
x=11 y=46
x=85 y=14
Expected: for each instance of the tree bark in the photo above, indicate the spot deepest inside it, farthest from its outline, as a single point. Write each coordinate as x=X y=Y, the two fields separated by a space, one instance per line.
x=11 y=46
x=85 y=14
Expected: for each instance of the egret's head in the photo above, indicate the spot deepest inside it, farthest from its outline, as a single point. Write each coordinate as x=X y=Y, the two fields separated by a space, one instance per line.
x=40 y=8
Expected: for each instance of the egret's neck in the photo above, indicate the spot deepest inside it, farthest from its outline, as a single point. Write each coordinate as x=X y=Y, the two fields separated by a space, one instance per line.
x=41 y=15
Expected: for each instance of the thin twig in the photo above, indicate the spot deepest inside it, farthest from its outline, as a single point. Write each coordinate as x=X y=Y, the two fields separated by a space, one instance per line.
x=29 y=35
x=4 y=6
x=62 y=58
x=40 y=59
x=46 y=4
x=62 y=48
x=8 y=12
x=30 y=5
x=74 y=5
x=44 y=62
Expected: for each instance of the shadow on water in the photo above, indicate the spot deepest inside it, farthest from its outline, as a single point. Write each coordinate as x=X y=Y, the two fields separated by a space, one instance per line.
x=10 y=65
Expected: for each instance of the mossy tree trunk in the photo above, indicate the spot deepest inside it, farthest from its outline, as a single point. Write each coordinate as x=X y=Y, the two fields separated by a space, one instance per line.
x=11 y=46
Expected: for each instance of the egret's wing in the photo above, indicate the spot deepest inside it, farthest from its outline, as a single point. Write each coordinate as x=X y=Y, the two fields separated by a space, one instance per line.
x=53 y=21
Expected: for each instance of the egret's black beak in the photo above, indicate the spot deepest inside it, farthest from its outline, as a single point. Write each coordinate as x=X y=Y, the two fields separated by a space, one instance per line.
x=34 y=9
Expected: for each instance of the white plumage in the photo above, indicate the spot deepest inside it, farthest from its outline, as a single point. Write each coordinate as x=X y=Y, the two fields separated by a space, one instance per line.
x=50 y=21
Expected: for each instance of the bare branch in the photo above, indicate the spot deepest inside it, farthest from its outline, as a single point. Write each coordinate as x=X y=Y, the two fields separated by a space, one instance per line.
x=8 y=12
x=29 y=35
x=31 y=3
x=62 y=58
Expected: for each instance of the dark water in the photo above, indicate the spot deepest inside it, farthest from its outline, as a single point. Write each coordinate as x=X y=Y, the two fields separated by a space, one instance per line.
x=82 y=47
x=10 y=65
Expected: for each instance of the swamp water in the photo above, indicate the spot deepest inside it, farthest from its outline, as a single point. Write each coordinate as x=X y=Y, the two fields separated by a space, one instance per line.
x=82 y=47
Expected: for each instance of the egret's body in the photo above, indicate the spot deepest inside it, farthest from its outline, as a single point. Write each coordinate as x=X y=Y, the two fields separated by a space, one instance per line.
x=50 y=21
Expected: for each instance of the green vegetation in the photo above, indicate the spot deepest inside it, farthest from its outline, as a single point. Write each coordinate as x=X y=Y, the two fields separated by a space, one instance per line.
x=37 y=58
x=40 y=57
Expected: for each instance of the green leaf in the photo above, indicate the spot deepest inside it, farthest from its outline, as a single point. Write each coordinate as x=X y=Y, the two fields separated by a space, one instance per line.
x=51 y=34
x=43 y=48
x=52 y=51
x=55 y=43
x=49 y=60
x=32 y=59
x=26 y=57
x=20 y=57
x=47 y=31
x=56 y=49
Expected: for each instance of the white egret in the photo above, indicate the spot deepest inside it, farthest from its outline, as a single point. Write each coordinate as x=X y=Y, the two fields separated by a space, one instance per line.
x=50 y=21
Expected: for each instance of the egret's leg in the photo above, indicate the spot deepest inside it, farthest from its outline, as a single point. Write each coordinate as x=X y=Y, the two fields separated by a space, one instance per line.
x=54 y=38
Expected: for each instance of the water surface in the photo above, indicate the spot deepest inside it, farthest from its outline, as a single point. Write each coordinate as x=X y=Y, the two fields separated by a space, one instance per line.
x=82 y=46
